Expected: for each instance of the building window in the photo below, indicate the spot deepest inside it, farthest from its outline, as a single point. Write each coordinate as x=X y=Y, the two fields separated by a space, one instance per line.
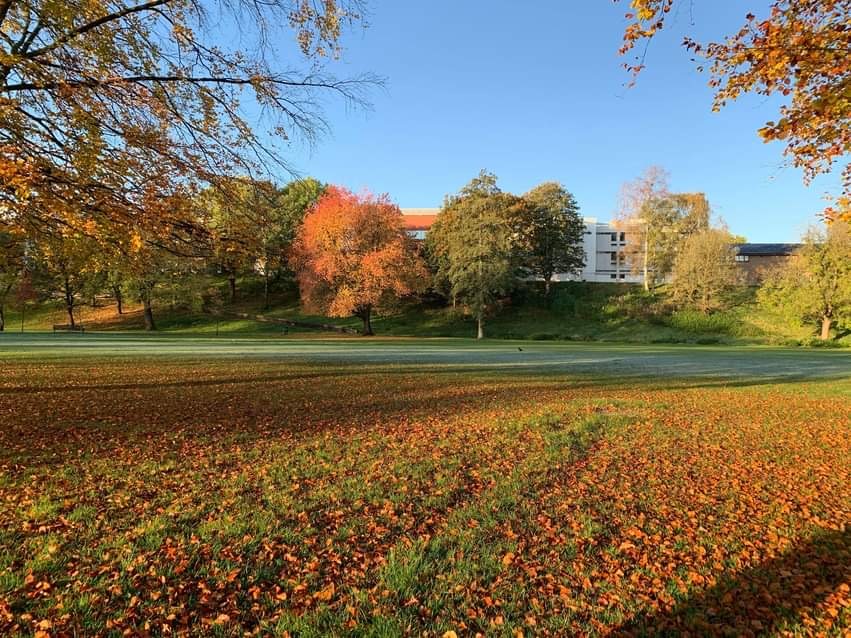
x=623 y=276
x=743 y=258
x=614 y=237
x=613 y=276
x=623 y=236
x=614 y=258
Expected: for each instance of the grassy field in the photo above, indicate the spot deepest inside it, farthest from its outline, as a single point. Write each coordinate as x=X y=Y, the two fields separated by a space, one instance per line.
x=230 y=487
x=574 y=312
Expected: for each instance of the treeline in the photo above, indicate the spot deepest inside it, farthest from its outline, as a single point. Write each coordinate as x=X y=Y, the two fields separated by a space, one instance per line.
x=241 y=226
x=350 y=254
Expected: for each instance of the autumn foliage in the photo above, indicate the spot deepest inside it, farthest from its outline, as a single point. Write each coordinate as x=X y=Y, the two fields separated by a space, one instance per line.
x=801 y=52
x=351 y=256
x=111 y=110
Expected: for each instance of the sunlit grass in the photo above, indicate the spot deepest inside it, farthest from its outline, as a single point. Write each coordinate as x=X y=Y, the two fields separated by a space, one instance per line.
x=217 y=494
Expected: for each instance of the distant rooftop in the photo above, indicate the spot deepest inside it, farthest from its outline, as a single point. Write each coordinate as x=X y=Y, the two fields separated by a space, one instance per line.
x=419 y=218
x=767 y=250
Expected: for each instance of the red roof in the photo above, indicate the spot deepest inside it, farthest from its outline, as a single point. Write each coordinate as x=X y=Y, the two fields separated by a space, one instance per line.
x=418 y=222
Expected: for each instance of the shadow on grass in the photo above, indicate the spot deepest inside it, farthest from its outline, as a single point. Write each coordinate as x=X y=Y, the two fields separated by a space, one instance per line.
x=764 y=599
x=571 y=375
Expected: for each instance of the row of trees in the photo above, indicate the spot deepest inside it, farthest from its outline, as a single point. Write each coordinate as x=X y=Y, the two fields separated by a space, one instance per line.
x=111 y=110
x=243 y=226
x=352 y=254
x=349 y=253
x=485 y=241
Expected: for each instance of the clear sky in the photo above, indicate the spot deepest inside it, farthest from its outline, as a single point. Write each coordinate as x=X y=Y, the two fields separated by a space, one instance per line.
x=535 y=91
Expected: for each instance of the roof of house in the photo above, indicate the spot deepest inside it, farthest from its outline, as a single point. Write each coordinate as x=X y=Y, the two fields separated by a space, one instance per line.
x=767 y=250
x=419 y=218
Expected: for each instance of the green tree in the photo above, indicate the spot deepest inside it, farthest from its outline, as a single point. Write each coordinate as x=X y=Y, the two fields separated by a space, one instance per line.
x=278 y=225
x=151 y=274
x=705 y=271
x=11 y=268
x=65 y=263
x=475 y=246
x=233 y=213
x=551 y=232
x=815 y=285
x=658 y=230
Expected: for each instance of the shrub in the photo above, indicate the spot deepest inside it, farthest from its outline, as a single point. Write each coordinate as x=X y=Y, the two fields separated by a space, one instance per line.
x=543 y=336
x=814 y=342
x=697 y=322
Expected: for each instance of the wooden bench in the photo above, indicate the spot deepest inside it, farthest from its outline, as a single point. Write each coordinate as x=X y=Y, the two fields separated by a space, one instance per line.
x=64 y=327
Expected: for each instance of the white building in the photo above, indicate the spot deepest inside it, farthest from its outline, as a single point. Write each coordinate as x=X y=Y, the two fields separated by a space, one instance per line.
x=605 y=248
x=605 y=255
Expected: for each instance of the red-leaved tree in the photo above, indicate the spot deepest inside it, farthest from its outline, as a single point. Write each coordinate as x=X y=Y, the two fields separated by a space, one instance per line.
x=352 y=255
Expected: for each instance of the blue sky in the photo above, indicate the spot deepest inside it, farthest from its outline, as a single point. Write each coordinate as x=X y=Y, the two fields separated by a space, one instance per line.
x=535 y=91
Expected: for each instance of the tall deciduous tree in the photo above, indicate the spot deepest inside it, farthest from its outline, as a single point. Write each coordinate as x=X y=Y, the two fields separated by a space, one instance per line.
x=799 y=50
x=11 y=269
x=351 y=256
x=551 y=232
x=279 y=224
x=816 y=284
x=475 y=245
x=66 y=261
x=233 y=214
x=657 y=222
x=110 y=107
x=705 y=270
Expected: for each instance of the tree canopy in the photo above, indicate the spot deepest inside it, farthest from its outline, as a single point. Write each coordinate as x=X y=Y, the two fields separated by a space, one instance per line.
x=475 y=245
x=657 y=222
x=113 y=113
x=816 y=285
x=551 y=231
x=351 y=255
x=704 y=270
x=801 y=51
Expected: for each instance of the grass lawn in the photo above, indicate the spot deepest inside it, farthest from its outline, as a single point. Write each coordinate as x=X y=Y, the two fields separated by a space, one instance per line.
x=168 y=485
x=575 y=312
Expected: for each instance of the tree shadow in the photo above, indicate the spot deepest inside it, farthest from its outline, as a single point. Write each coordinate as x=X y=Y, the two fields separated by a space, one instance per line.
x=762 y=599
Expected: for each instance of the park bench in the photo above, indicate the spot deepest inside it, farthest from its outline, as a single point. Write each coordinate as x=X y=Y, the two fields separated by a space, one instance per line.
x=64 y=327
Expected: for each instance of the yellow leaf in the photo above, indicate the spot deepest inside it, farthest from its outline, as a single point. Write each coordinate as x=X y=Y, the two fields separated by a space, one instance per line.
x=326 y=594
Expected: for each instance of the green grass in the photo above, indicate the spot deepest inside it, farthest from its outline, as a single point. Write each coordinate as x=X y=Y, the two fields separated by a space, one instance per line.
x=407 y=486
x=573 y=312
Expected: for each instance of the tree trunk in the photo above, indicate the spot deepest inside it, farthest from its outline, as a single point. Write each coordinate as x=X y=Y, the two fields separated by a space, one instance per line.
x=547 y=286
x=119 y=300
x=3 y=307
x=825 y=328
x=69 y=303
x=366 y=317
x=265 y=288
x=480 y=327
x=148 y=313
x=232 y=286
